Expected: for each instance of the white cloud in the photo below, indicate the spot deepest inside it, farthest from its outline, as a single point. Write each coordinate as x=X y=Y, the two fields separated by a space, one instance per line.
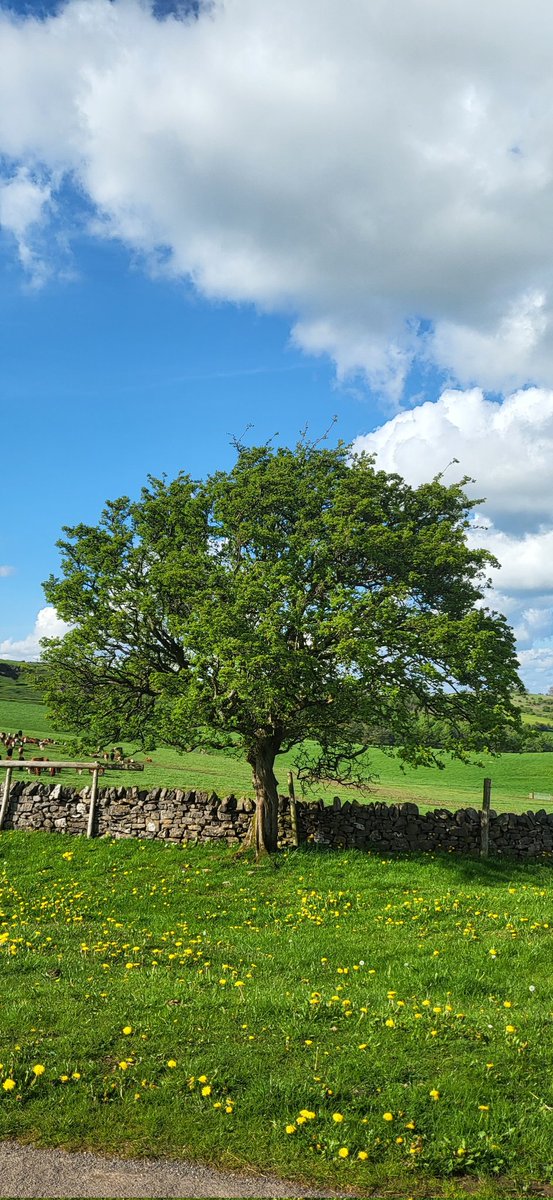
x=535 y=622
x=5 y=571
x=47 y=624
x=24 y=202
x=526 y=561
x=537 y=668
x=508 y=449
x=360 y=167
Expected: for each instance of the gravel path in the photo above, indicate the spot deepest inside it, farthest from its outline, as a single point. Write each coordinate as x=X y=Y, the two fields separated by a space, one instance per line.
x=29 y=1171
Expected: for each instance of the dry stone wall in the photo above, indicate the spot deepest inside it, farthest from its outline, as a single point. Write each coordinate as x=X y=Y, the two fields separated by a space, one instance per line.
x=185 y=816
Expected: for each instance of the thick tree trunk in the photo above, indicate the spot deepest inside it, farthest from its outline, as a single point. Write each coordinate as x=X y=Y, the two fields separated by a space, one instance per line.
x=265 y=824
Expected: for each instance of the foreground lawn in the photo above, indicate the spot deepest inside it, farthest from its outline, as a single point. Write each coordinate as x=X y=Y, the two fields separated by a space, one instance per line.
x=337 y=1017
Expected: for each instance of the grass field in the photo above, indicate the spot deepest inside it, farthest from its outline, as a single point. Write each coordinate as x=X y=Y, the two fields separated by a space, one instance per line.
x=514 y=776
x=348 y=1020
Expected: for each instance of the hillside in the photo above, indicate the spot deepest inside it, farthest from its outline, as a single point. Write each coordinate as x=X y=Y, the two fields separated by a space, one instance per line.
x=536 y=709
x=514 y=776
x=21 y=705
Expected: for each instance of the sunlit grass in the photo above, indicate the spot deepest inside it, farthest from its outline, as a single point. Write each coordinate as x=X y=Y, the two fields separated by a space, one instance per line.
x=183 y=1002
x=514 y=776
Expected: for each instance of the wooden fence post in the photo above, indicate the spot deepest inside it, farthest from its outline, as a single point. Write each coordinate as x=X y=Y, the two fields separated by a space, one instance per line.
x=92 y=808
x=485 y=819
x=293 y=809
x=5 y=797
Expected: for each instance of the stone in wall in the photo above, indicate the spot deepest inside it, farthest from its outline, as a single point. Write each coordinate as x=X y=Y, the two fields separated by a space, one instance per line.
x=183 y=815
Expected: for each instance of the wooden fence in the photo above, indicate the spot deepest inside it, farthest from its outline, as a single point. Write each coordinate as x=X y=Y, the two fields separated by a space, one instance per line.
x=38 y=765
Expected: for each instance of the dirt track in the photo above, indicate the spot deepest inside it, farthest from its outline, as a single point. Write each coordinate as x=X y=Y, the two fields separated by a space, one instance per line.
x=31 y=1172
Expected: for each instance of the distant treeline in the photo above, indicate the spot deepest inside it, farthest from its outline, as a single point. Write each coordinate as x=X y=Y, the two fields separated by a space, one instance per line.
x=10 y=670
x=528 y=739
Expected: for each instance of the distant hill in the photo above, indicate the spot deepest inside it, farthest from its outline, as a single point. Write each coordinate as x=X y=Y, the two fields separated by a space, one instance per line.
x=536 y=709
x=10 y=669
x=16 y=683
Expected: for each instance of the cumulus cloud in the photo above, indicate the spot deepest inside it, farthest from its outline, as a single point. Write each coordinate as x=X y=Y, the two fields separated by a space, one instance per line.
x=24 y=203
x=5 y=571
x=381 y=172
x=507 y=449
x=47 y=624
x=526 y=561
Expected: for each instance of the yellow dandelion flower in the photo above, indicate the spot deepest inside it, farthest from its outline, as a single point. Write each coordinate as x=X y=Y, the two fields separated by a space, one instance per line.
x=387 y=1116
x=8 y=1085
x=202 y=1078
x=206 y=1091
x=171 y=1062
x=127 y=1029
x=484 y=1107
x=38 y=1069
x=434 y=1094
x=307 y=1114
x=123 y=1065
x=343 y=1152
x=510 y=1029
x=289 y=1128
x=390 y=1023
x=362 y=1155
x=337 y=1117
x=76 y=1075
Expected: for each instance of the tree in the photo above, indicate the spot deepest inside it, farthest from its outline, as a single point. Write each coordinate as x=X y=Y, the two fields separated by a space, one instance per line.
x=294 y=601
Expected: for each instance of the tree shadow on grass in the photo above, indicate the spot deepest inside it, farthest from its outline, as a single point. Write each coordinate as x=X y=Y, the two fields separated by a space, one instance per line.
x=462 y=869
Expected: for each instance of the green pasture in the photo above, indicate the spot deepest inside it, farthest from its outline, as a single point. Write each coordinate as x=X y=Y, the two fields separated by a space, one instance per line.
x=514 y=776
x=353 y=1022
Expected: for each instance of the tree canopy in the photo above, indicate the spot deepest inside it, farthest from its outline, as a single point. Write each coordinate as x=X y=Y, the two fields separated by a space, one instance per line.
x=296 y=600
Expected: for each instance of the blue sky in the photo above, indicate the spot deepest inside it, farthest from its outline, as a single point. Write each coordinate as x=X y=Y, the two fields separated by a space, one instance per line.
x=220 y=216
x=113 y=376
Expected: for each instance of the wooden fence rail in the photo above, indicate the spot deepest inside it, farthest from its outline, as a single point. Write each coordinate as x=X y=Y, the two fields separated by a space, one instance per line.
x=44 y=764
